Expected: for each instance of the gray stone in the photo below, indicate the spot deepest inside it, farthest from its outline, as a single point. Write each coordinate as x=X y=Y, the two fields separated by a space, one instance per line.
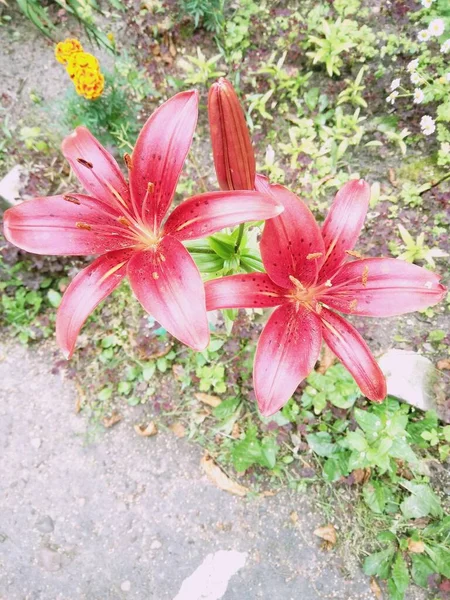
x=45 y=524
x=411 y=378
x=12 y=184
x=49 y=559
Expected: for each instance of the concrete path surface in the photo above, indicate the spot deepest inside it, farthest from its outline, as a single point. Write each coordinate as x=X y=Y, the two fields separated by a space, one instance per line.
x=127 y=517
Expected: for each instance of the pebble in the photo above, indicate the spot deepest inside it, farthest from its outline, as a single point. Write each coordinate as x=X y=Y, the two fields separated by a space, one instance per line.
x=36 y=443
x=49 y=560
x=125 y=586
x=45 y=524
x=155 y=545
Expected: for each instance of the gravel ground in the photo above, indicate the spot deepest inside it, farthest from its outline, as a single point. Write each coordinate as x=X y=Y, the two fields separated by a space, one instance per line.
x=132 y=517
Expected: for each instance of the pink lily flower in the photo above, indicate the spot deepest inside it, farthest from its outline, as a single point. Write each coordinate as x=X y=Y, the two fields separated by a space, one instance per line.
x=310 y=274
x=123 y=223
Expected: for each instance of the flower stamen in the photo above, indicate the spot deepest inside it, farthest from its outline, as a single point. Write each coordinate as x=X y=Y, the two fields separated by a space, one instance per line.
x=69 y=198
x=81 y=225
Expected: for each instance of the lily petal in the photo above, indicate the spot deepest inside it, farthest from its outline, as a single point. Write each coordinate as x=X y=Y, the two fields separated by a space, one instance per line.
x=252 y=290
x=159 y=155
x=354 y=353
x=85 y=292
x=291 y=244
x=205 y=214
x=169 y=286
x=343 y=224
x=71 y=224
x=286 y=353
x=383 y=287
x=98 y=172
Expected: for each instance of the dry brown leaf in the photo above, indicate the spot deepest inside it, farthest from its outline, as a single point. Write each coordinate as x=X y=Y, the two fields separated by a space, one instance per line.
x=327 y=359
x=376 y=590
x=146 y=430
x=178 y=371
x=236 y=432
x=178 y=429
x=112 y=420
x=443 y=364
x=327 y=533
x=220 y=479
x=268 y=493
x=416 y=547
x=294 y=517
x=81 y=398
x=392 y=178
x=361 y=475
x=207 y=399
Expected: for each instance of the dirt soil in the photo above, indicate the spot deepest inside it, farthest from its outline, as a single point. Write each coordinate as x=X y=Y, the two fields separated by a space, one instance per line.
x=133 y=517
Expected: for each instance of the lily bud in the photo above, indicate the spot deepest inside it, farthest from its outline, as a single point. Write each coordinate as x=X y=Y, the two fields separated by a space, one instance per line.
x=232 y=148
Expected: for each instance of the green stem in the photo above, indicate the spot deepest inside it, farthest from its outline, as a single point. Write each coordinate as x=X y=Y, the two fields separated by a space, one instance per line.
x=239 y=237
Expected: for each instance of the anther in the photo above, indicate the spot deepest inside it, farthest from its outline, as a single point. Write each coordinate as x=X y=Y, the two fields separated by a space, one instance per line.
x=150 y=187
x=124 y=221
x=72 y=199
x=328 y=283
x=365 y=276
x=352 y=306
x=128 y=161
x=81 y=225
x=314 y=255
x=162 y=257
x=85 y=163
x=155 y=275
x=353 y=253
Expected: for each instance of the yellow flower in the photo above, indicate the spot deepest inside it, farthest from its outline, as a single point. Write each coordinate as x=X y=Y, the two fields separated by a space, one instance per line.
x=80 y=61
x=111 y=38
x=64 y=50
x=89 y=83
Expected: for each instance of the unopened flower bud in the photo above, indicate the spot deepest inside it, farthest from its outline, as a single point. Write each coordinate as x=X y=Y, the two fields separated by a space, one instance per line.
x=234 y=158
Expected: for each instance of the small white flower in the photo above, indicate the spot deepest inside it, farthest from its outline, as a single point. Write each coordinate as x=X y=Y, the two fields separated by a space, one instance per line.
x=445 y=46
x=415 y=78
x=395 y=84
x=427 y=3
x=423 y=35
x=418 y=96
x=436 y=27
x=392 y=98
x=412 y=65
x=445 y=148
x=427 y=125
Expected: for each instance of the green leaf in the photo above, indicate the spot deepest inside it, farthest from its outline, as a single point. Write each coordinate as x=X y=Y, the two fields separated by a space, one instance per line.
x=379 y=563
x=422 y=502
x=400 y=573
x=161 y=363
x=321 y=443
x=124 y=387
x=227 y=408
x=440 y=557
x=246 y=452
x=374 y=496
x=367 y=421
x=222 y=245
x=105 y=394
x=269 y=451
x=148 y=371
x=54 y=298
x=421 y=568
